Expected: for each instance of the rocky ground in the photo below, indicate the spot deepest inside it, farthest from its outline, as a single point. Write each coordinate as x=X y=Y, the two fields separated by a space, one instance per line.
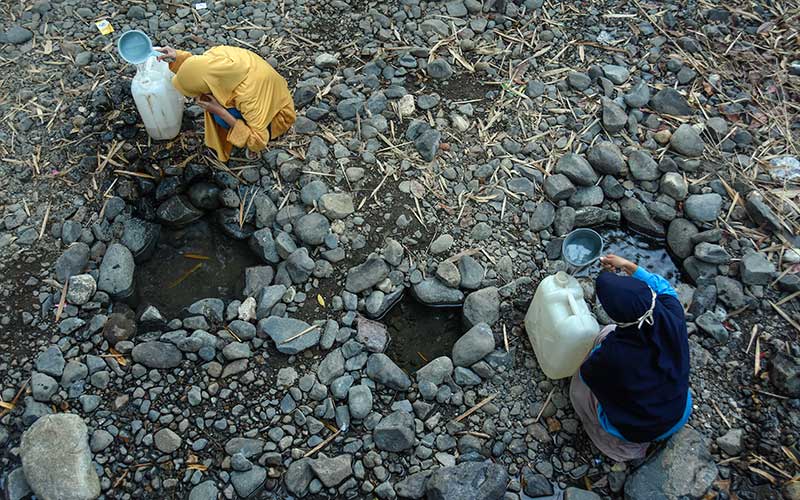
x=441 y=150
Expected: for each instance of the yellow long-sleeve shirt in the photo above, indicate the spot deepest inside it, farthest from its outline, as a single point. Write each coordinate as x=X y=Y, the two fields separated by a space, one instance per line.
x=261 y=96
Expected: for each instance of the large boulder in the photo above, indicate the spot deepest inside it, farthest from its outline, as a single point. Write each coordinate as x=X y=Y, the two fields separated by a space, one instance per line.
x=472 y=480
x=683 y=469
x=57 y=461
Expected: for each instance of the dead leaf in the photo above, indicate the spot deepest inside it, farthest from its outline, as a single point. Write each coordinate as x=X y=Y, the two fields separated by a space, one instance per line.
x=320 y=300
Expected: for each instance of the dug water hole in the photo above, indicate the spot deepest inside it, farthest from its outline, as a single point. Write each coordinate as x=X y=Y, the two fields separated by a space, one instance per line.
x=420 y=333
x=192 y=263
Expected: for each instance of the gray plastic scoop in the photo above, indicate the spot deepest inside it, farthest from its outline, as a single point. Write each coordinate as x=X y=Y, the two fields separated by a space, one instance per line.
x=582 y=247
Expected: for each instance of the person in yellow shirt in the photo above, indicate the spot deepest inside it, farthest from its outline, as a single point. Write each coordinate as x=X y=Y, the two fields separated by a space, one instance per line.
x=246 y=101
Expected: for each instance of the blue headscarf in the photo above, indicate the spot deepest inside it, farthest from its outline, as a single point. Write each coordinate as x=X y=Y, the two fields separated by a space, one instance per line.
x=640 y=376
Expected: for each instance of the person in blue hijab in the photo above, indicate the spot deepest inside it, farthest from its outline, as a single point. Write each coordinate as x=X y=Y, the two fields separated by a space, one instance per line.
x=633 y=388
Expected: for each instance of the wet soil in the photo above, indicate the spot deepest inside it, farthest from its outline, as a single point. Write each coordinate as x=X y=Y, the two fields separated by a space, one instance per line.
x=193 y=263
x=420 y=333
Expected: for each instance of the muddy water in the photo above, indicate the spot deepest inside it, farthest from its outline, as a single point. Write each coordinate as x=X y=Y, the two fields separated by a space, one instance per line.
x=648 y=252
x=190 y=264
x=421 y=333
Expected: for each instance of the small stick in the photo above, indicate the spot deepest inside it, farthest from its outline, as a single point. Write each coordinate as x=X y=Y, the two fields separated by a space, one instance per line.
x=757 y=360
x=505 y=337
x=546 y=402
x=63 y=300
x=753 y=334
x=463 y=253
x=474 y=408
x=721 y=415
x=309 y=329
x=13 y=402
x=770 y=394
x=44 y=221
x=322 y=444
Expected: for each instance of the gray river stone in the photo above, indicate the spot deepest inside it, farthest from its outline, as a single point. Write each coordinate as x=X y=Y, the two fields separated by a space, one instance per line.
x=669 y=101
x=281 y=329
x=436 y=371
x=248 y=447
x=72 y=261
x=433 y=292
x=312 y=228
x=178 y=211
x=606 y=158
x=473 y=480
x=473 y=346
x=395 y=432
x=482 y=306
x=166 y=441
x=249 y=482
x=359 y=400
x=332 y=471
x=382 y=369
x=116 y=272
x=207 y=490
x=577 y=169
x=703 y=207
x=336 y=205
x=56 y=459
x=156 y=354
x=50 y=362
x=683 y=469
x=141 y=238
x=366 y=275
x=263 y=245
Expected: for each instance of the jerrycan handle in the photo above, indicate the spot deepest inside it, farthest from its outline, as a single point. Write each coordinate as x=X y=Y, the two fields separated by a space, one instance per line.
x=573 y=305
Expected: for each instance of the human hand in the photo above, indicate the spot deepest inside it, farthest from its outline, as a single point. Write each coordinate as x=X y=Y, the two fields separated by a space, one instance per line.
x=168 y=53
x=613 y=262
x=210 y=104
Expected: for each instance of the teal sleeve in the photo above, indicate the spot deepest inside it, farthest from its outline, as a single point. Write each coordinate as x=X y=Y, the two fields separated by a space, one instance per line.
x=654 y=281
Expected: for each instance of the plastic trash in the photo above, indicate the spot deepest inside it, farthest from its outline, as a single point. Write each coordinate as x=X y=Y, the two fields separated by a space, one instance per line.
x=135 y=47
x=560 y=325
x=159 y=104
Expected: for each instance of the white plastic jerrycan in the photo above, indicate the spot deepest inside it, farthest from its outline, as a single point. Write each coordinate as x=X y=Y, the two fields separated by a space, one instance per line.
x=560 y=325
x=160 y=105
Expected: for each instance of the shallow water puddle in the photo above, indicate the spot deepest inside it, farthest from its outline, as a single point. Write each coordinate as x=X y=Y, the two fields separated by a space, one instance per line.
x=420 y=333
x=190 y=264
x=647 y=252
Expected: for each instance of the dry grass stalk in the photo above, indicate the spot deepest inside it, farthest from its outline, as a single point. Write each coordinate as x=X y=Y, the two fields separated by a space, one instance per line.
x=785 y=316
x=44 y=221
